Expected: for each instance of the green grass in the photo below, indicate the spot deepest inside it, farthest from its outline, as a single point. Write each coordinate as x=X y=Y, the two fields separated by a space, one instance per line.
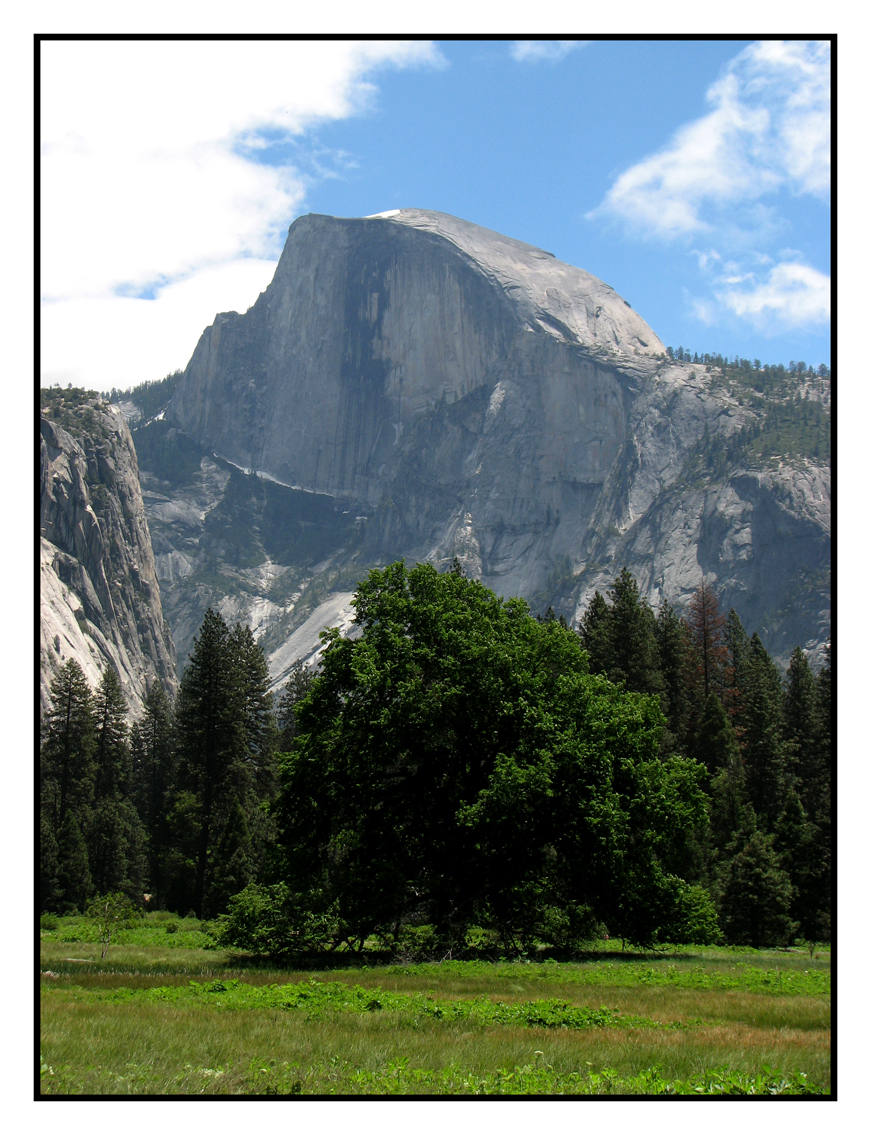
x=172 y=1019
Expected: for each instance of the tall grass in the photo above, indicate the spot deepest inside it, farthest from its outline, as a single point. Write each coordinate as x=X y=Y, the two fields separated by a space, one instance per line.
x=711 y=1020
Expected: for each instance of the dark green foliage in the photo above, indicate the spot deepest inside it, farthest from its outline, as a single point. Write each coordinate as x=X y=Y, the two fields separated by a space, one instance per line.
x=116 y=847
x=456 y=763
x=714 y=744
x=757 y=896
x=152 y=745
x=273 y=921
x=761 y=722
x=114 y=832
x=295 y=689
x=67 y=766
x=677 y=663
x=226 y=740
x=73 y=871
x=798 y=844
x=621 y=639
x=50 y=894
x=111 y=751
x=149 y=397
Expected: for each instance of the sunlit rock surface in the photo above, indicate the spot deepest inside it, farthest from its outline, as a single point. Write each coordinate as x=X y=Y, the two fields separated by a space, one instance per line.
x=414 y=385
x=99 y=595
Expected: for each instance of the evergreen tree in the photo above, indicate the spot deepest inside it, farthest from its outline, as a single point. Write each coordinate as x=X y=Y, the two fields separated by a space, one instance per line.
x=620 y=638
x=73 y=871
x=755 y=906
x=111 y=751
x=225 y=736
x=738 y=647
x=114 y=833
x=259 y=733
x=635 y=653
x=117 y=847
x=50 y=894
x=762 y=722
x=676 y=662
x=297 y=686
x=67 y=769
x=595 y=633
x=714 y=744
x=797 y=843
x=800 y=725
x=153 y=757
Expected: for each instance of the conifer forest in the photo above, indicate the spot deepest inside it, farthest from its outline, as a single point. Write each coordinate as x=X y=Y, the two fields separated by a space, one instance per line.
x=457 y=762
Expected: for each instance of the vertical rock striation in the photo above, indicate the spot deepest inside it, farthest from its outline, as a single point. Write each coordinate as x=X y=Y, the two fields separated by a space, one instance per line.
x=454 y=392
x=100 y=599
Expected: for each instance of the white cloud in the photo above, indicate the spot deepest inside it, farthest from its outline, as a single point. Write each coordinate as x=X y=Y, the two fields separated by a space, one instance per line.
x=793 y=296
x=536 y=50
x=110 y=340
x=769 y=129
x=150 y=175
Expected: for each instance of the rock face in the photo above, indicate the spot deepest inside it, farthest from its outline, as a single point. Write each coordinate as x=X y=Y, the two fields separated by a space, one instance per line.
x=446 y=391
x=100 y=598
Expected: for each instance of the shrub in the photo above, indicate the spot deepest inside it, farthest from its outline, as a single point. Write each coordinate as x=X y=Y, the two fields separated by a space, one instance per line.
x=49 y=922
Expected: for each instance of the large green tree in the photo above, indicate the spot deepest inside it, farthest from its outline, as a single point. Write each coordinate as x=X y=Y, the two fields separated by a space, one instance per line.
x=456 y=762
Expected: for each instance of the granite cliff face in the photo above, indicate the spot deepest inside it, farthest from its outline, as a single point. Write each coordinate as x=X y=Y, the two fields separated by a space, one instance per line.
x=100 y=598
x=414 y=385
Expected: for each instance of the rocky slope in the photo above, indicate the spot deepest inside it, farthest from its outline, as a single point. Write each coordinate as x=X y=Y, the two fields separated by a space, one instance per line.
x=414 y=385
x=100 y=598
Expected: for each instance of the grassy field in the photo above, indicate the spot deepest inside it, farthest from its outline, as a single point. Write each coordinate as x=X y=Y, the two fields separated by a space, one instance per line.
x=166 y=1014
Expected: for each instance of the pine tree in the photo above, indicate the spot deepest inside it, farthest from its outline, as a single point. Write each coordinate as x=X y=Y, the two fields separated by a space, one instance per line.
x=635 y=658
x=67 y=769
x=595 y=634
x=50 y=894
x=738 y=647
x=756 y=900
x=675 y=658
x=153 y=758
x=620 y=638
x=297 y=686
x=73 y=871
x=714 y=744
x=800 y=725
x=114 y=833
x=226 y=735
x=797 y=843
x=111 y=751
x=762 y=722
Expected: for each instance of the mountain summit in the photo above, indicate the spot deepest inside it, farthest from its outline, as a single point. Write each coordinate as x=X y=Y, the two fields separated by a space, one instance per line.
x=413 y=385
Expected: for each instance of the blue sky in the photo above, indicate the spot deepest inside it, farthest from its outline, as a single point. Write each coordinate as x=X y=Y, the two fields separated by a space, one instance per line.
x=691 y=176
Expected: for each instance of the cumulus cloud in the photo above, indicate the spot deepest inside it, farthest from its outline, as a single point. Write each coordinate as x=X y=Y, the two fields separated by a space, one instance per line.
x=791 y=296
x=768 y=129
x=538 y=50
x=153 y=172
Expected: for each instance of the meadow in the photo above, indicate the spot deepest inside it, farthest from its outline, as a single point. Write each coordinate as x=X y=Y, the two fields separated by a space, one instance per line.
x=168 y=1013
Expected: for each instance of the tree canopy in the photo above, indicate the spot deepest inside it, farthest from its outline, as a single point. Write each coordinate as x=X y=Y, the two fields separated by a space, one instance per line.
x=455 y=762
